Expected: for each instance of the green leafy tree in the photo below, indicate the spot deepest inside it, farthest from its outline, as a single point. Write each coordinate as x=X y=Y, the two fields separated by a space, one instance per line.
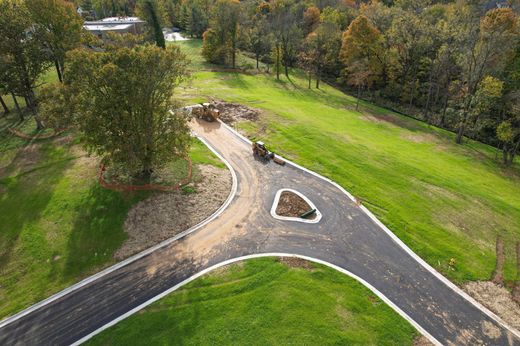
x=484 y=48
x=22 y=53
x=59 y=27
x=221 y=40
x=154 y=14
x=122 y=102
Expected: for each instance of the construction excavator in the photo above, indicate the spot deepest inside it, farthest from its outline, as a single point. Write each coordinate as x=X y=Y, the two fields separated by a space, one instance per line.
x=260 y=151
x=206 y=111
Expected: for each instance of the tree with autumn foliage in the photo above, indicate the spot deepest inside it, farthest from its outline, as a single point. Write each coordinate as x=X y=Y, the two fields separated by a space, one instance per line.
x=361 y=45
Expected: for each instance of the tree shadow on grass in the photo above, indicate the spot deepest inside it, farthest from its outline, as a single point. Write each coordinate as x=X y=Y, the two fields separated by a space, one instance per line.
x=97 y=231
x=24 y=197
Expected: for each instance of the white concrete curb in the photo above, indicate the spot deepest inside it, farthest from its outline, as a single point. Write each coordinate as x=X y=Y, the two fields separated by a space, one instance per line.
x=129 y=260
x=399 y=242
x=272 y=254
x=289 y=218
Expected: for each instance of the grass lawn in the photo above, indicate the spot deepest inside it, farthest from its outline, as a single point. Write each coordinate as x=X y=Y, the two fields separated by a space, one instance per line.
x=264 y=302
x=57 y=225
x=443 y=200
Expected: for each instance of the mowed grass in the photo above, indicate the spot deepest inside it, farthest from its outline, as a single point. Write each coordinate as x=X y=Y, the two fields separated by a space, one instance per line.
x=57 y=225
x=264 y=302
x=444 y=200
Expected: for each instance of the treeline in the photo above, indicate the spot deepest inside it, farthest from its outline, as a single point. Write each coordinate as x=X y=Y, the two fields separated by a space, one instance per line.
x=454 y=65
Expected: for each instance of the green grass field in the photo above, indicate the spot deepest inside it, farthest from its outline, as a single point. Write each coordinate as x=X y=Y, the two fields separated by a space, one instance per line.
x=57 y=225
x=264 y=302
x=443 y=200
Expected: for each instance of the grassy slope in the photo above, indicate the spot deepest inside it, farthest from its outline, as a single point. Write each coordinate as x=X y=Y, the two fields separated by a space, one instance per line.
x=56 y=224
x=263 y=302
x=445 y=201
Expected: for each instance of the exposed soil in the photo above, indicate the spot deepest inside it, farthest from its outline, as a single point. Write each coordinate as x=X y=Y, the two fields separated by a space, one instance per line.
x=164 y=215
x=422 y=341
x=292 y=205
x=233 y=112
x=295 y=262
x=497 y=299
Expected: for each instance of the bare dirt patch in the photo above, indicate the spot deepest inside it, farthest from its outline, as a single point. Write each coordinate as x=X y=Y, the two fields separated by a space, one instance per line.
x=497 y=299
x=295 y=262
x=234 y=112
x=164 y=215
x=422 y=341
x=292 y=205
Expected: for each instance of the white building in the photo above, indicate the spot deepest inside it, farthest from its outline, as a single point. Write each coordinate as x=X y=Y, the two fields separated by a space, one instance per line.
x=120 y=25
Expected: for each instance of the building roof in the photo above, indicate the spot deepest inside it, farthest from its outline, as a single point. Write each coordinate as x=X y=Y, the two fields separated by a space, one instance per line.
x=110 y=27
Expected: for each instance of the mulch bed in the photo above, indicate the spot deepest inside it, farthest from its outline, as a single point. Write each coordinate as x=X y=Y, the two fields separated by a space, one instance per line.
x=292 y=205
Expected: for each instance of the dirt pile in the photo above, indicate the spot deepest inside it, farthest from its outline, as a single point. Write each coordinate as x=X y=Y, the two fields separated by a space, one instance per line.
x=497 y=299
x=233 y=112
x=164 y=215
x=292 y=205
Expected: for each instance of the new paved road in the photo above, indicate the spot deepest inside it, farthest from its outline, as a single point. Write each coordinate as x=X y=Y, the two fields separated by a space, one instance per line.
x=345 y=237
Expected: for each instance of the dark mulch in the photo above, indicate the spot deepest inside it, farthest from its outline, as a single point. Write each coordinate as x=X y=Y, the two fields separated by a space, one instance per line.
x=292 y=205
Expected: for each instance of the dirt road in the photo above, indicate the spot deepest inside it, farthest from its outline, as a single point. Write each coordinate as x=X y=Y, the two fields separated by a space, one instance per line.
x=346 y=238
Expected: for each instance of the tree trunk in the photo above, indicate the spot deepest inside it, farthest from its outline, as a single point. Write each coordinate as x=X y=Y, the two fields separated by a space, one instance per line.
x=4 y=106
x=58 y=70
x=310 y=79
x=32 y=104
x=234 y=53
x=513 y=152
x=278 y=62
x=516 y=286
x=20 y=113
x=358 y=96
x=444 y=109
x=498 y=273
x=257 y=58
x=286 y=69
x=505 y=152
x=318 y=78
x=460 y=132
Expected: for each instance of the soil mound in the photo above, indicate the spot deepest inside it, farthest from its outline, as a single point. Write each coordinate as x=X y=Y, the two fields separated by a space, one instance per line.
x=233 y=112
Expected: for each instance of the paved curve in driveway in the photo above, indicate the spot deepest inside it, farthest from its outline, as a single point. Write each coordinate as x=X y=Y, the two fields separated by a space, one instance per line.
x=346 y=237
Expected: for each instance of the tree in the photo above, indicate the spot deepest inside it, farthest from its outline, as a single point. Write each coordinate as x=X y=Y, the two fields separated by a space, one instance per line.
x=122 y=101
x=59 y=27
x=311 y=19
x=22 y=54
x=149 y=11
x=321 y=47
x=484 y=49
x=212 y=49
x=286 y=33
x=220 y=41
x=362 y=45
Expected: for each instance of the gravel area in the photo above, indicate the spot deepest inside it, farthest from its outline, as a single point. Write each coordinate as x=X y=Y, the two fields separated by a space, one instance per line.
x=497 y=299
x=163 y=215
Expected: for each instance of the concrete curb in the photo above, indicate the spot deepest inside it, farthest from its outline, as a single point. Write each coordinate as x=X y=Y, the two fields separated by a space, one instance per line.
x=399 y=242
x=135 y=257
x=269 y=254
